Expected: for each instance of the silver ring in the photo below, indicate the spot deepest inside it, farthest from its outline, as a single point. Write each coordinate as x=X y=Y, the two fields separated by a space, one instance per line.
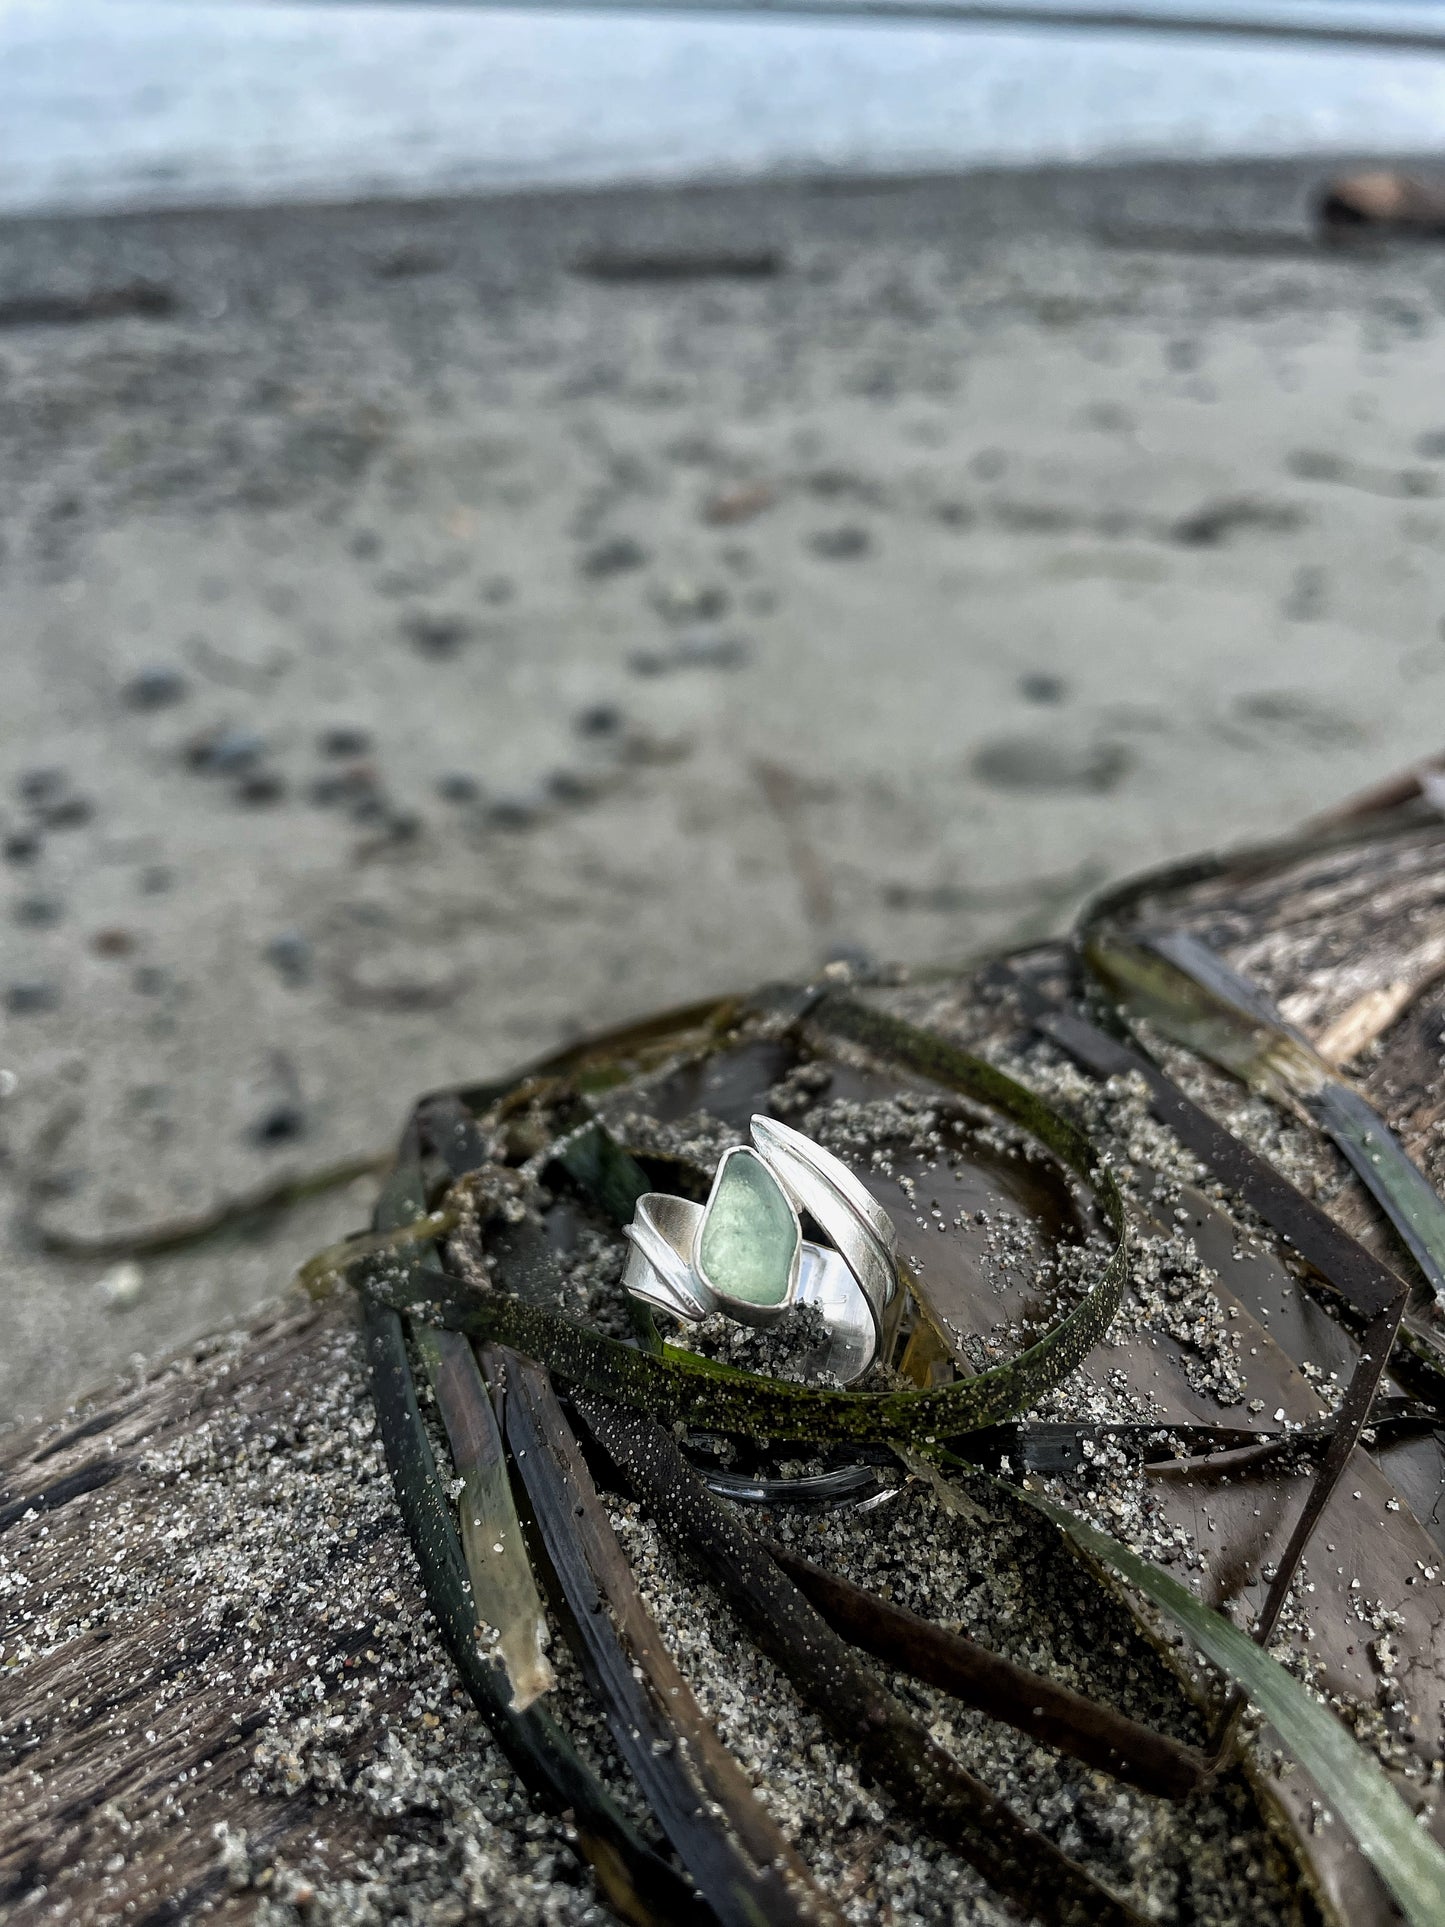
x=744 y=1253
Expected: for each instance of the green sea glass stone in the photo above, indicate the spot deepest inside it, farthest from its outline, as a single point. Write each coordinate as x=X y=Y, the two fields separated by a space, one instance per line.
x=749 y=1235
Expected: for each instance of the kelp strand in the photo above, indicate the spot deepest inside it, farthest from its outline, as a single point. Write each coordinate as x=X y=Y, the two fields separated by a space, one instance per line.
x=929 y=1785
x=743 y=1866
x=640 y=1886
x=1022 y=1699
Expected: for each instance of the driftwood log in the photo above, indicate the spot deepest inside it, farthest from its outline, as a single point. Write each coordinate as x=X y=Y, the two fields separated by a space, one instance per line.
x=222 y=1692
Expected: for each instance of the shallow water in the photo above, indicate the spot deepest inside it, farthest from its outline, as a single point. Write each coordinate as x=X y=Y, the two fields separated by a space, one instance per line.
x=146 y=103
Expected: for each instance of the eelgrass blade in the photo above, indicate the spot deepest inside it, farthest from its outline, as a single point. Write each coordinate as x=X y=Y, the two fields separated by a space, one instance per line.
x=1349 y=1423
x=1342 y=1261
x=1353 y=1784
x=706 y=1395
x=1198 y=999
x=1027 y=1701
x=1390 y=1174
x=743 y=1866
x=640 y=1886
x=929 y=1785
x=510 y=1617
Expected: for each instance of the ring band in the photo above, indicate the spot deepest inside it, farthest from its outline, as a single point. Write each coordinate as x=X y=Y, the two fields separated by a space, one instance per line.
x=744 y=1253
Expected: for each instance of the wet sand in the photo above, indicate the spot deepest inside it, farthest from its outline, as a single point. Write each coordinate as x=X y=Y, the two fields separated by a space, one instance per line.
x=435 y=630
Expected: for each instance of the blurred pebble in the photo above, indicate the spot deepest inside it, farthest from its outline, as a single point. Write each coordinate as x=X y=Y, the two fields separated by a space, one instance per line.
x=113 y=942
x=32 y=998
x=1043 y=764
x=345 y=786
x=280 y=1124
x=598 y=719
x=226 y=750
x=260 y=787
x=121 y=1286
x=690 y=601
x=456 y=786
x=738 y=504
x=150 y=980
x=612 y=557
x=156 y=879
x=515 y=809
x=41 y=785
x=498 y=589
x=38 y=913
x=571 y=786
x=364 y=544
x=68 y=814
x=156 y=687
x=344 y=739
x=289 y=953
x=843 y=544
x=1040 y=687
x=436 y=635
x=697 y=649
x=21 y=846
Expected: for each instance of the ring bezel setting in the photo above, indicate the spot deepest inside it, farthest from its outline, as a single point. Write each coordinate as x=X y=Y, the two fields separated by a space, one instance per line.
x=728 y=1255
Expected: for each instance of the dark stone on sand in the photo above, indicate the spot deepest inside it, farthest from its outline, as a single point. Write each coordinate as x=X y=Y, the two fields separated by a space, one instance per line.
x=613 y=557
x=113 y=942
x=843 y=544
x=70 y=813
x=699 y=649
x=260 y=788
x=1048 y=764
x=41 y=786
x=598 y=719
x=21 y=846
x=515 y=809
x=571 y=786
x=281 y=1123
x=150 y=980
x=352 y=785
x=498 y=589
x=55 y=308
x=1040 y=687
x=1214 y=522
x=289 y=954
x=680 y=264
x=225 y=750
x=436 y=635
x=458 y=786
x=38 y=913
x=157 y=687
x=156 y=879
x=31 y=998
x=344 y=740
x=364 y=544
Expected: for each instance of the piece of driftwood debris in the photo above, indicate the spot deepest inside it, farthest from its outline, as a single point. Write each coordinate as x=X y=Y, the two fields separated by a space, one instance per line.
x=220 y=1686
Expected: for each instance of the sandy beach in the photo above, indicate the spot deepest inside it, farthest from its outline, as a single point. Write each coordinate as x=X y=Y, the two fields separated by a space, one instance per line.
x=435 y=630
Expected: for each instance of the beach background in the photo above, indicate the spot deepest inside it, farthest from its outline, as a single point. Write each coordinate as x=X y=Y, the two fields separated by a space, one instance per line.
x=510 y=521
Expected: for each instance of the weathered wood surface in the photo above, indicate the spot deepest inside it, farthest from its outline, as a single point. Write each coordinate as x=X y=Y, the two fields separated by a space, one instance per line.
x=221 y=1690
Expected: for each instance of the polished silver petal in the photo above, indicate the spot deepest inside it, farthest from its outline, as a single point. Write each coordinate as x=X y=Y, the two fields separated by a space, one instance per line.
x=847 y=1215
x=659 y=1266
x=779 y=1142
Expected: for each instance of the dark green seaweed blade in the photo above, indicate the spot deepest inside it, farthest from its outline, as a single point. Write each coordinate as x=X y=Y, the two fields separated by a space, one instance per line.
x=1028 y=1701
x=638 y=1884
x=1407 y=1859
x=1194 y=996
x=589 y=1565
x=927 y=1783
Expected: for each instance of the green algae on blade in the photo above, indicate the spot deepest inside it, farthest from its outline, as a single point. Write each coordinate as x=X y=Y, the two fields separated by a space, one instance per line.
x=511 y=1621
x=1353 y=1783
